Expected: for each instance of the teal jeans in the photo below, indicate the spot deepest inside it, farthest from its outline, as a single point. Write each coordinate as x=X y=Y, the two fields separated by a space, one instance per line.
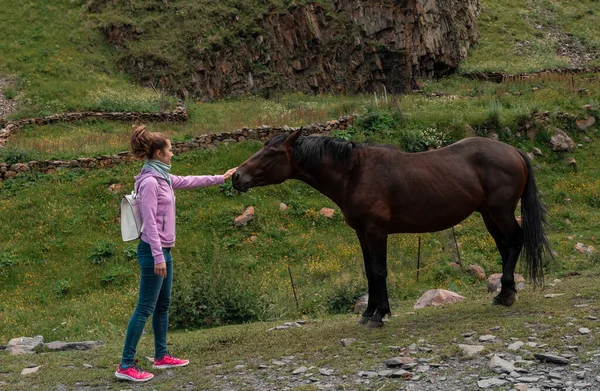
x=154 y=299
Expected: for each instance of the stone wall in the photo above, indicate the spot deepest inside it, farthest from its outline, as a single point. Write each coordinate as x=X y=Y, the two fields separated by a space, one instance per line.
x=11 y=127
x=9 y=171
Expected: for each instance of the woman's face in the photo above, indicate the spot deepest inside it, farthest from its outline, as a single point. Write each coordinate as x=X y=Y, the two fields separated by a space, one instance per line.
x=165 y=155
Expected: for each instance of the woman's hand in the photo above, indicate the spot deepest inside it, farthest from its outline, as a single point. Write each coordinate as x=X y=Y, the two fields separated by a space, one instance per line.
x=229 y=173
x=161 y=269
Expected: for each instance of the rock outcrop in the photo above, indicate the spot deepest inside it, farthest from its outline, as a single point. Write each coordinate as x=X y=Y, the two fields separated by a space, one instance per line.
x=337 y=46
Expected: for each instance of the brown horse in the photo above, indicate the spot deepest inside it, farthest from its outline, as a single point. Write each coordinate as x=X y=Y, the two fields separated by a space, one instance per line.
x=381 y=191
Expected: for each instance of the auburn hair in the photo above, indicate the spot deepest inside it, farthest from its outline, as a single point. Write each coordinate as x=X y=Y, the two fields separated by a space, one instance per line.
x=145 y=143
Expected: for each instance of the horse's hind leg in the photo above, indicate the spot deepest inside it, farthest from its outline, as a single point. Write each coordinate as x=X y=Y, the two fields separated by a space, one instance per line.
x=372 y=303
x=509 y=240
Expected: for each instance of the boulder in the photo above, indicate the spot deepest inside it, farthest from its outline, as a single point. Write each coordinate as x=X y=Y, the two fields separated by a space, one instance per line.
x=438 y=297
x=561 y=142
x=245 y=217
x=24 y=345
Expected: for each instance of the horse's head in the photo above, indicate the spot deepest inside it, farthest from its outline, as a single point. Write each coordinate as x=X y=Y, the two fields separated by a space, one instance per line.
x=269 y=166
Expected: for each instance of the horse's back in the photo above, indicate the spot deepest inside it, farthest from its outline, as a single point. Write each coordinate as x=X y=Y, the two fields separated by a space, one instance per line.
x=433 y=190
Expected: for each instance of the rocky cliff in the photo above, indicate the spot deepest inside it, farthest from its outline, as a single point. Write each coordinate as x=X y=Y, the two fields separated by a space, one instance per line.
x=347 y=46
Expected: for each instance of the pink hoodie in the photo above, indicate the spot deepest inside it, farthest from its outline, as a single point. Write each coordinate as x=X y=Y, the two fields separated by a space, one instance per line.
x=158 y=206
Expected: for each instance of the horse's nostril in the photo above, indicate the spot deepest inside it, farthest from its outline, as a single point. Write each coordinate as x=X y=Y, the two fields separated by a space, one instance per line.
x=236 y=176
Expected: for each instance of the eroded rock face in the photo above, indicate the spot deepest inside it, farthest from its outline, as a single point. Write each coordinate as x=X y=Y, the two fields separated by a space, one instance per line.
x=345 y=46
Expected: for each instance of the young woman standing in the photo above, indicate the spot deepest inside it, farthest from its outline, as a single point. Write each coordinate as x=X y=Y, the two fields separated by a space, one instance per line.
x=154 y=185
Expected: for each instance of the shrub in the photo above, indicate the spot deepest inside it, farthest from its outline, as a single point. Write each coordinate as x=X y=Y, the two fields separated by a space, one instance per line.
x=130 y=252
x=7 y=259
x=62 y=287
x=344 y=297
x=210 y=299
x=103 y=250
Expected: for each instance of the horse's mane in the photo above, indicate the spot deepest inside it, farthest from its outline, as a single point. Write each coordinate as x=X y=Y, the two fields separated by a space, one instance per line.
x=312 y=150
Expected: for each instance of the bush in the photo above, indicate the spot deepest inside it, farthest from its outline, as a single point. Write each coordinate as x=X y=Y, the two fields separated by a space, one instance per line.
x=103 y=251
x=417 y=140
x=344 y=296
x=209 y=299
x=62 y=287
x=7 y=259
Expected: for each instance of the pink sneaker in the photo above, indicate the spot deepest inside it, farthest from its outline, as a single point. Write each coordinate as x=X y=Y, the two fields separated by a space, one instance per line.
x=133 y=373
x=169 y=362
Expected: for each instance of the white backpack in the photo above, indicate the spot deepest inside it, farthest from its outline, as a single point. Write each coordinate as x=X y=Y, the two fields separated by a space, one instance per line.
x=131 y=217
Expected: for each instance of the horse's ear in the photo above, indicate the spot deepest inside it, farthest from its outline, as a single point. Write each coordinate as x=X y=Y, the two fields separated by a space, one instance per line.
x=291 y=139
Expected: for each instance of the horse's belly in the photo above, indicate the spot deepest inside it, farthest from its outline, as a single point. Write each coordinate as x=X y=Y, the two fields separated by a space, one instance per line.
x=418 y=220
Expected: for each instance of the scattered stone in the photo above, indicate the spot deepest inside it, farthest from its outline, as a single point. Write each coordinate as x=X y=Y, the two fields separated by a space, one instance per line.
x=501 y=365
x=583 y=249
x=545 y=357
x=583 y=124
x=489 y=383
x=515 y=345
x=115 y=188
x=528 y=379
x=584 y=330
x=88 y=366
x=553 y=295
x=361 y=304
x=368 y=374
x=30 y=370
x=283 y=207
x=300 y=370
x=477 y=271
x=561 y=142
x=471 y=350
x=24 y=345
x=402 y=374
x=487 y=338
x=347 y=341
x=327 y=212
x=245 y=217
x=326 y=372
x=438 y=297
x=398 y=361
x=85 y=345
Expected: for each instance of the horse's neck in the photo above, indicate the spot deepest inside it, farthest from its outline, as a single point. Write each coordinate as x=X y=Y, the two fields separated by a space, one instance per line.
x=329 y=179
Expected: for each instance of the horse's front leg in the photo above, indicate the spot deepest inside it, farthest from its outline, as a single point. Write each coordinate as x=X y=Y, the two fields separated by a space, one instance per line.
x=372 y=303
x=377 y=244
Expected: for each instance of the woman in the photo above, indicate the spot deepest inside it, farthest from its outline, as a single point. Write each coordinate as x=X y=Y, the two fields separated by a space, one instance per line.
x=154 y=185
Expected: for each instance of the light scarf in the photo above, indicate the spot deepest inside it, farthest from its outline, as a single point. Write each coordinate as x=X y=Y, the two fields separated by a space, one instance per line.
x=160 y=167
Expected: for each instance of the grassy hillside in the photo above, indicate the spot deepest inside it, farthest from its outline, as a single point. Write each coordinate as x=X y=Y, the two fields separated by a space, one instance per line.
x=61 y=61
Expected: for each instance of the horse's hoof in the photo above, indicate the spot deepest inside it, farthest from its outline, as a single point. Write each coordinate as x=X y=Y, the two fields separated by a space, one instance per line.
x=363 y=320
x=505 y=301
x=372 y=324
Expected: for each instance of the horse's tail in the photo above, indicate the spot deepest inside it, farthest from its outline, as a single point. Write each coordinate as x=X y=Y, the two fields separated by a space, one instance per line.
x=535 y=241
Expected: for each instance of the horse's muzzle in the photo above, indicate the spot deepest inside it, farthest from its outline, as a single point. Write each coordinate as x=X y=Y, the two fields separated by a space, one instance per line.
x=239 y=184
